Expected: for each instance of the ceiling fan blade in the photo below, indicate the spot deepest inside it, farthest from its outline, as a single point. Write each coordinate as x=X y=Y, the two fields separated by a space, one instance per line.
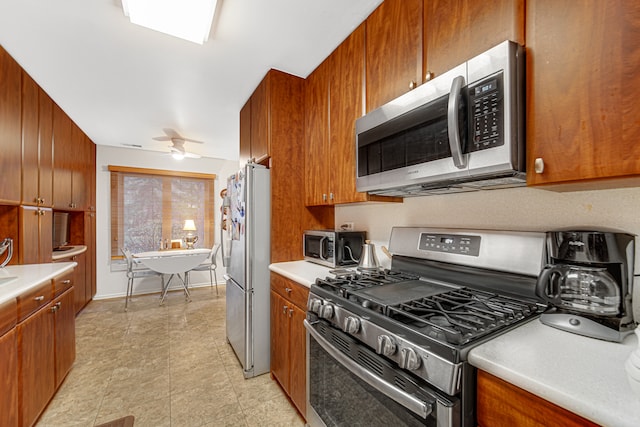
x=161 y=138
x=193 y=140
x=171 y=133
x=192 y=155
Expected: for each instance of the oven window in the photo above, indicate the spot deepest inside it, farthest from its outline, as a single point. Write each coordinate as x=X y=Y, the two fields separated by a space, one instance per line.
x=342 y=399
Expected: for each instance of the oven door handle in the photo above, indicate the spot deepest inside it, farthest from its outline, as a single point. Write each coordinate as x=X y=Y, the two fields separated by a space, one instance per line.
x=413 y=404
x=455 y=144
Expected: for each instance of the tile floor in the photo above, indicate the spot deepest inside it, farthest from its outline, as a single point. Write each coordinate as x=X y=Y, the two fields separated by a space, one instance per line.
x=166 y=365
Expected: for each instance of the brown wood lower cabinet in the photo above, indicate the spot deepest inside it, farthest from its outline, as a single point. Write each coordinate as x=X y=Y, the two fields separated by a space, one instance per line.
x=35 y=364
x=501 y=404
x=45 y=350
x=8 y=364
x=288 y=338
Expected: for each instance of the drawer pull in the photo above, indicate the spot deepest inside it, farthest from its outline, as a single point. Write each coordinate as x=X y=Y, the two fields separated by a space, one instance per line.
x=288 y=290
x=39 y=298
x=66 y=282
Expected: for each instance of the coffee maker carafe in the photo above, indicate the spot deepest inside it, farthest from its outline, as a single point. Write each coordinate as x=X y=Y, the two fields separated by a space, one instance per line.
x=588 y=280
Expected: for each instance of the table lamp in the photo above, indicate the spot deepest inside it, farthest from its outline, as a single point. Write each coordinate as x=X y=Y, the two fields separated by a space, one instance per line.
x=189 y=227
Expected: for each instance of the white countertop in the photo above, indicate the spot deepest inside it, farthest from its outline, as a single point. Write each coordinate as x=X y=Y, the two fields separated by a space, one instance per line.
x=303 y=272
x=583 y=375
x=72 y=251
x=28 y=276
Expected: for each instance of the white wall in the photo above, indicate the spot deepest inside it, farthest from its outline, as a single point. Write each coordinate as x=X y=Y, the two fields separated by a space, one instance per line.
x=517 y=209
x=114 y=283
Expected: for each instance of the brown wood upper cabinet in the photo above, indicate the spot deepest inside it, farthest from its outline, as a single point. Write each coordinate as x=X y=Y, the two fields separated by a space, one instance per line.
x=71 y=160
x=334 y=95
x=10 y=129
x=582 y=87
x=457 y=30
x=393 y=51
x=255 y=117
x=37 y=144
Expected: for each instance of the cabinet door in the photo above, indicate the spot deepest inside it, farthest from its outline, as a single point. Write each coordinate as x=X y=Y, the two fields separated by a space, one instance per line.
x=260 y=123
x=45 y=149
x=317 y=155
x=280 y=340
x=45 y=233
x=582 y=90
x=345 y=106
x=393 y=50
x=29 y=235
x=35 y=364
x=62 y=150
x=9 y=379
x=30 y=155
x=456 y=30
x=80 y=283
x=65 y=334
x=10 y=129
x=500 y=404
x=245 y=133
x=298 y=361
x=79 y=176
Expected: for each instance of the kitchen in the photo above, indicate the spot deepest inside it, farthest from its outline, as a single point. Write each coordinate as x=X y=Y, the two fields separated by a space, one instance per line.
x=521 y=208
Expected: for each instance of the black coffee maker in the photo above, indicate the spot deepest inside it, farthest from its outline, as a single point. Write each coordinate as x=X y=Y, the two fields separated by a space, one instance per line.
x=589 y=280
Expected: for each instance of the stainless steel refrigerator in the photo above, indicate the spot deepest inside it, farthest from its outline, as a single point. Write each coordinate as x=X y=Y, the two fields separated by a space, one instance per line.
x=246 y=254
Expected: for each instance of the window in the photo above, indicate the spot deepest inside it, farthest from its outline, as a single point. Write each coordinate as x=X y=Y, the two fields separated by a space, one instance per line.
x=149 y=205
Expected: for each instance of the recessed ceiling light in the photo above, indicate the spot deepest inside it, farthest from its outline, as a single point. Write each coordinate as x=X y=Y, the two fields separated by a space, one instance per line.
x=187 y=19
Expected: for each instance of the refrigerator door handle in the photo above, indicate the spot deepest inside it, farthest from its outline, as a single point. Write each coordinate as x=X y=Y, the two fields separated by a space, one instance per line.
x=225 y=204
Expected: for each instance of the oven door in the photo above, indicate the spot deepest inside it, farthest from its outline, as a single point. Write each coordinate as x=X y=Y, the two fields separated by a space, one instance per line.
x=348 y=384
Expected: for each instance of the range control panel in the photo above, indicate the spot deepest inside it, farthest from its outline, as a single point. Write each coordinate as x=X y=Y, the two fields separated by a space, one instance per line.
x=450 y=243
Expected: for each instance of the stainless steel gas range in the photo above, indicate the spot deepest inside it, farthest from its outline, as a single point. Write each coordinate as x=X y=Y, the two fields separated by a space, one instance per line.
x=389 y=347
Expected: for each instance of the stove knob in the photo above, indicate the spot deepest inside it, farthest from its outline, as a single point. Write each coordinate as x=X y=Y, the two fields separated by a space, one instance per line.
x=409 y=359
x=326 y=311
x=351 y=325
x=386 y=346
x=314 y=305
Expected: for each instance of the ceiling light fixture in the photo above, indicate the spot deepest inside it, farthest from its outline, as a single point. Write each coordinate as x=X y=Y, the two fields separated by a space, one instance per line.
x=177 y=156
x=187 y=19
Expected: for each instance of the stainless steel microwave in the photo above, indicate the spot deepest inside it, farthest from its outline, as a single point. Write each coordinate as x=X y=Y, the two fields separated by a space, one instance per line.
x=461 y=131
x=333 y=248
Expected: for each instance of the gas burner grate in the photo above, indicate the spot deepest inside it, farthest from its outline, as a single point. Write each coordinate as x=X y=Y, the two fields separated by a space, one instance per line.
x=351 y=281
x=462 y=315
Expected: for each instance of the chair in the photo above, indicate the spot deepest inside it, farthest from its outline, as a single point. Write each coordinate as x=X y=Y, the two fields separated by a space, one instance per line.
x=209 y=265
x=136 y=273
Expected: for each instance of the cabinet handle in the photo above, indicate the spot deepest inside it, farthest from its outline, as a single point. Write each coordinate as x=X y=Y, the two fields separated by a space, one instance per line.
x=291 y=312
x=56 y=307
x=36 y=200
x=330 y=196
x=39 y=298
x=42 y=201
x=324 y=197
x=284 y=309
x=428 y=76
x=412 y=85
x=539 y=165
x=287 y=290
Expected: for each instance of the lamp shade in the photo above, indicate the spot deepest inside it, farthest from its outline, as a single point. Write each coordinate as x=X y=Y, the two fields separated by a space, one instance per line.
x=189 y=225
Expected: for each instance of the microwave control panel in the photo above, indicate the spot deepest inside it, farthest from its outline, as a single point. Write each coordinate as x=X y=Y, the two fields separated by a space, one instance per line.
x=486 y=113
x=450 y=243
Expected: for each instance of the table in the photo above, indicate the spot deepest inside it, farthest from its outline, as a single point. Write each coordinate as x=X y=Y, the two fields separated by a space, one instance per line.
x=173 y=262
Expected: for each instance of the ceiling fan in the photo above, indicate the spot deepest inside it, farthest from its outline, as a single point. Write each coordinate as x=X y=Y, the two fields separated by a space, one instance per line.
x=177 y=149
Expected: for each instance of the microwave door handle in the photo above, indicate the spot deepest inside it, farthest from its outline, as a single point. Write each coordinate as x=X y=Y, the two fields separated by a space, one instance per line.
x=452 y=121
x=322 y=240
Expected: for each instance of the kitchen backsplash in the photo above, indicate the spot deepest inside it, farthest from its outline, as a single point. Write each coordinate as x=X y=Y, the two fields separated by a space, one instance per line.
x=526 y=209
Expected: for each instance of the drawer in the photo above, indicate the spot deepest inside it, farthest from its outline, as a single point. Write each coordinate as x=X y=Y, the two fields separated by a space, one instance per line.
x=290 y=290
x=32 y=300
x=8 y=315
x=62 y=283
